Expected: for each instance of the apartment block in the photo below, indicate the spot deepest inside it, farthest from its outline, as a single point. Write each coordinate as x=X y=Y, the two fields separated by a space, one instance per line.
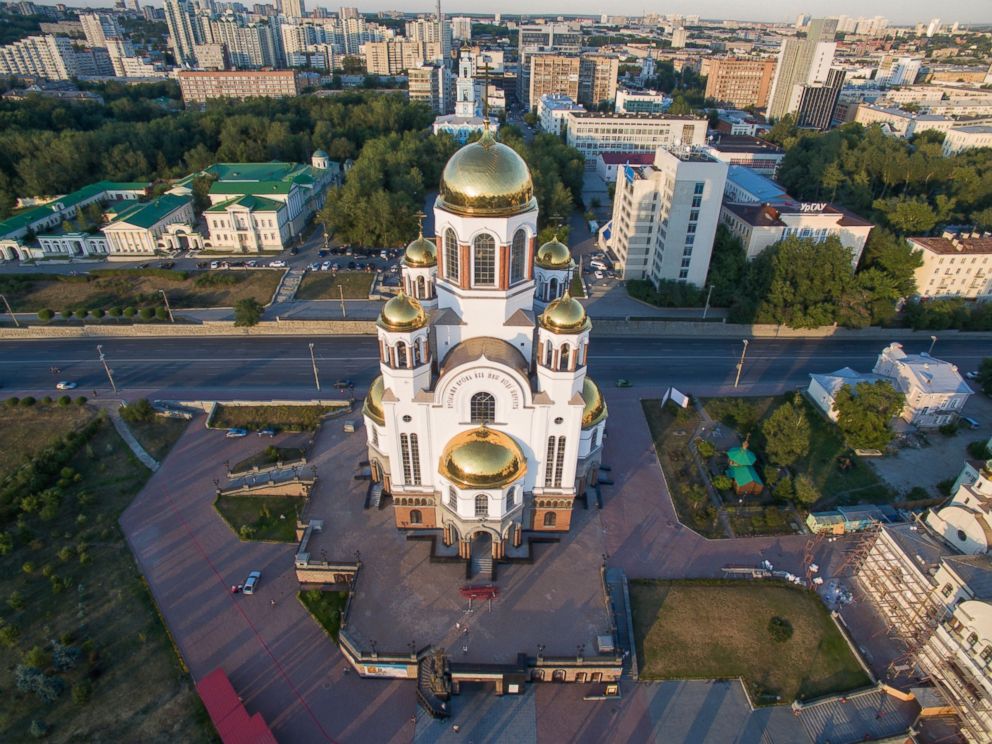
x=966 y=138
x=665 y=216
x=740 y=82
x=201 y=86
x=433 y=85
x=393 y=56
x=801 y=62
x=956 y=264
x=50 y=57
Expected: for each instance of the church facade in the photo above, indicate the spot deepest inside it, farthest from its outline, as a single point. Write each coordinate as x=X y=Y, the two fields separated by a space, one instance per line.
x=484 y=424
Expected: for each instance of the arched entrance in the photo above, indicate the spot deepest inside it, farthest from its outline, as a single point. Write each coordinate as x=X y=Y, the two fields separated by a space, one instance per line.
x=481 y=555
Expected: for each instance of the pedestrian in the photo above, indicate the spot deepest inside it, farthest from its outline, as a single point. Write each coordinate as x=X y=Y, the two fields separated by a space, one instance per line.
x=456 y=728
x=273 y=602
x=94 y=393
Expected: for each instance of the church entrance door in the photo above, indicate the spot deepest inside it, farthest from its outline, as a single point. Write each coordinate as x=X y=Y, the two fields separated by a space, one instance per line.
x=481 y=557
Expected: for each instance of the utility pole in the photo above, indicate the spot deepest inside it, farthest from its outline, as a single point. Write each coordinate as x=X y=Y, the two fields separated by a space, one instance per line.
x=106 y=368
x=740 y=364
x=707 y=308
x=341 y=292
x=933 y=342
x=172 y=318
x=10 y=312
x=313 y=361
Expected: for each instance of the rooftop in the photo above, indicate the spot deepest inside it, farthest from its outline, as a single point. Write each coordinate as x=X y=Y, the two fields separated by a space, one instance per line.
x=975 y=129
x=744 y=143
x=28 y=217
x=958 y=244
x=975 y=571
x=256 y=203
x=627 y=158
x=929 y=374
x=768 y=215
x=762 y=188
x=147 y=214
x=639 y=116
x=832 y=382
x=917 y=543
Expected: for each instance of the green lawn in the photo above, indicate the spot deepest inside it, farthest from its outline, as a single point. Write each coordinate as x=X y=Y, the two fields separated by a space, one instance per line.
x=323 y=285
x=326 y=608
x=269 y=456
x=69 y=575
x=671 y=429
x=857 y=484
x=283 y=418
x=578 y=289
x=265 y=517
x=719 y=630
x=158 y=435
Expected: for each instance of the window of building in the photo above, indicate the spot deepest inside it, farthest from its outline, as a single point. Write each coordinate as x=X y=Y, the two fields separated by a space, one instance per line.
x=509 y=500
x=683 y=275
x=698 y=189
x=694 y=215
x=482 y=506
x=550 y=519
x=482 y=408
x=972 y=639
x=452 y=498
x=946 y=590
x=559 y=462
x=518 y=256
x=416 y=517
x=375 y=437
x=484 y=261
x=987 y=654
x=405 y=456
x=410 y=454
x=451 y=267
x=549 y=460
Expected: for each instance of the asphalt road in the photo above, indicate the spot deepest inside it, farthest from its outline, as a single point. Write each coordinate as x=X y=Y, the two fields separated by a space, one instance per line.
x=280 y=367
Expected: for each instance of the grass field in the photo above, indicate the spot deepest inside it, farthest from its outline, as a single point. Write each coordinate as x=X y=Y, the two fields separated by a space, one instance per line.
x=158 y=435
x=858 y=484
x=323 y=285
x=719 y=630
x=283 y=418
x=123 y=288
x=326 y=608
x=671 y=433
x=266 y=517
x=27 y=430
x=70 y=576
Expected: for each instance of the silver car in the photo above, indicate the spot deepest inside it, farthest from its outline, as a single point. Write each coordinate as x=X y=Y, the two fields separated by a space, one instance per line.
x=251 y=583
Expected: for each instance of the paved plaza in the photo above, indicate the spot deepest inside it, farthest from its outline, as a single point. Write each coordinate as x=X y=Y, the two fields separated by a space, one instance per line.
x=284 y=666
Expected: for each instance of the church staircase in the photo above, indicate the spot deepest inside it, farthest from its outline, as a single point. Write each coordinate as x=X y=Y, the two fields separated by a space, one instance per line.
x=434 y=684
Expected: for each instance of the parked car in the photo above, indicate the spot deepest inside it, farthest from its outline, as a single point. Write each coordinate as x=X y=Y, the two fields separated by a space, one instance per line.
x=251 y=583
x=322 y=252
x=251 y=264
x=970 y=422
x=342 y=384
x=293 y=251
x=277 y=264
x=236 y=433
x=66 y=385
x=622 y=383
x=268 y=431
x=215 y=264
x=972 y=375
x=315 y=266
x=383 y=255
x=167 y=264
x=326 y=266
x=203 y=265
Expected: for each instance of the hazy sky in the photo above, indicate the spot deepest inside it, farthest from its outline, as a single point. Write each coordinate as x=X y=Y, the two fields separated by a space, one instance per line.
x=897 y=11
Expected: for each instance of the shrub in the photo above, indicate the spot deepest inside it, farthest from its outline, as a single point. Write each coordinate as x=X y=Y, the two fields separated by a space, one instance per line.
x=58 y=584
x=81 y=400
x=949 y=430
x=722 y=482
x=130 y=312
x=97 y=312
x=705 y=448
x=65 y=314
x=15 y=601
x=160 y=313
x=246 y=532
x=45 y=314
x=38 y=729
x=146 y=313
x=8 y=635
x=944 y=486
x=779 y=629
x=979 y=450
x=12 y=401
x=27 y=567
x=114 y=312
x=81 y=691
x=65 y=553
x=27 y=401
x=139 y=410
x=47 y=400
x=36 y=657
x=917 y=493
x=64 y=400
x=81 y=312
x=6 y=543
x=65 y=657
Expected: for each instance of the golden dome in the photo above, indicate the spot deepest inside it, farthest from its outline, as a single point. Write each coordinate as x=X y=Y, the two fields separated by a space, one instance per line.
x=486 y=178
x=553 y=255
x=595 y=407
x=373 y=401
x=421 y=253
x=565 y=315
x=482 y=458
x=402 y=313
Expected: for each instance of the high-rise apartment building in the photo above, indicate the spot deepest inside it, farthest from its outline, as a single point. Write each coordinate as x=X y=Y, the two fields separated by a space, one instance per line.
x=98 y=27
x=893 y=70
x=801 y=62
x=740 y=82
x=433 y=85
x=590 y=79
x=818 y=101
x=679 y=38
x=344 y=13
x=549 y=38
x=598 y=79
x=393 y=56
x=461 y=28
x=199 y=86
x=292 y=8
x=665 y=216
x=48 y=56
x=184 y=31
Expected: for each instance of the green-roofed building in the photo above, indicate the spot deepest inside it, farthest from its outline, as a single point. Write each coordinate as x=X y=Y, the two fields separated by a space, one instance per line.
x=144 y=227
x=742 y=472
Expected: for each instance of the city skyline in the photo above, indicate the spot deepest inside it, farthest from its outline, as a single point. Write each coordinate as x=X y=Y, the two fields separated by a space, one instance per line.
x=776 y=11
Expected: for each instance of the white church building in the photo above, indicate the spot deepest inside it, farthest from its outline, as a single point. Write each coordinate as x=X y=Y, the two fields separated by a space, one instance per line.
x=484 y=424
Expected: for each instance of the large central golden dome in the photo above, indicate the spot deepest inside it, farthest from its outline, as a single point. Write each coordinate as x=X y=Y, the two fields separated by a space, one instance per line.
x=486 y=178
x=482 y=458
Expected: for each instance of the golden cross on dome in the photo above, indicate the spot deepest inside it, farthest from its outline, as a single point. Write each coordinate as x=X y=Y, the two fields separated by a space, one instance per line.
x=420 y=222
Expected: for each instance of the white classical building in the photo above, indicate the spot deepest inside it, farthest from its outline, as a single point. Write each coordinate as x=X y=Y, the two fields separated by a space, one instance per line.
x=136 y=229
x=955 y=264
x=484 y=425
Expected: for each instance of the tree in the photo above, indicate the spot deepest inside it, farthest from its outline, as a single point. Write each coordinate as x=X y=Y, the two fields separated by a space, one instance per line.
x=138 y=411
x=787 y=433
x=806 y=493
x=891 y=254
x=680 y=107
x=863 y=414
x=907 y=215
x=247 y=312
x=201 y=190
x=985 y=375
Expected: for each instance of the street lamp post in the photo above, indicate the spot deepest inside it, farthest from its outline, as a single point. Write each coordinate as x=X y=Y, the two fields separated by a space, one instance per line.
x=740 y=364
x=106 y=368
x=933 y=342
x=707 y=308
x=168 y=307
x=341 y=293
x=313 y=361
x=10 y=312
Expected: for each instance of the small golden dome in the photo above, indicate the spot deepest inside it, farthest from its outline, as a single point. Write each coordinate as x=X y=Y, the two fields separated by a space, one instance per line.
x=482 y=458
x=402 y=313
x=373 y=401
x=486 y=178
x=565 y=315
x=421 y=253
x=595 y=407
x=554 y=255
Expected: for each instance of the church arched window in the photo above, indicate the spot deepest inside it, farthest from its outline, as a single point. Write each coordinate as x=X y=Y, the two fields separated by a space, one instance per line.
x=566 y=352
x=482 y=408
x=510 y=500
x=416 y=517
x=552 y=289
x=550 y=519
x=451 y=263
x=400 y=354
x=452 y=498
x=484 y=261
x=482 y=506
x=518 y=256
x=421 y=288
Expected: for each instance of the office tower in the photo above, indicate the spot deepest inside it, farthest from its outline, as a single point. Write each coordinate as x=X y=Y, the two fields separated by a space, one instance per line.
x=818 y=100
x=800 y=62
